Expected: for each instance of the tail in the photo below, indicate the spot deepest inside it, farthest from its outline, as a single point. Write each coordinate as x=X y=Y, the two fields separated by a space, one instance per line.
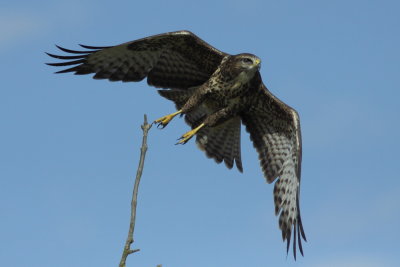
x=221 y=142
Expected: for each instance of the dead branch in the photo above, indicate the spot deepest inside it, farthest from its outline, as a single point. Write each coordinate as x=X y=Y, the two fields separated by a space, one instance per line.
x=127 y=248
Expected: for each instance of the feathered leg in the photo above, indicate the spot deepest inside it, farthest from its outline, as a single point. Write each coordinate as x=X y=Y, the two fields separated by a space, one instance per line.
x=190 y=102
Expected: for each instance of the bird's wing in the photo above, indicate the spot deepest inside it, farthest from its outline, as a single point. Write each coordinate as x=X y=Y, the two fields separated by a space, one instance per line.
x=274 y=130
x=170 y=60
x=222 y=142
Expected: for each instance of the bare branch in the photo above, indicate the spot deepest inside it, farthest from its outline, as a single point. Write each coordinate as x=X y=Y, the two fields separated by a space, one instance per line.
x=127 y=248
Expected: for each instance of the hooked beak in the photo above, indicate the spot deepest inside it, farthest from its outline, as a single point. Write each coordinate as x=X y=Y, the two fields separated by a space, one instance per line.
x=257 y=63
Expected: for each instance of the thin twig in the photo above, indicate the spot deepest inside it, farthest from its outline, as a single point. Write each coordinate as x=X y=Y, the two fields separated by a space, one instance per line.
x=127 y=248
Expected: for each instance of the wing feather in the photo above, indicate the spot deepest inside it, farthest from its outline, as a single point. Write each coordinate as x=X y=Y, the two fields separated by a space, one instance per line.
x=171 y=60
x=222 y=142
x=274 y=130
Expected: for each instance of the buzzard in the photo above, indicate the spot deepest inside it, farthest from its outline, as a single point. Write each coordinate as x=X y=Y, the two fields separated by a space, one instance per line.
x=216 y=92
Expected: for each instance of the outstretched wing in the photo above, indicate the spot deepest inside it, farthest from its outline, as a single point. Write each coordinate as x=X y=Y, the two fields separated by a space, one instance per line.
x=170 y=60
x=274 y=130
x=221 y=142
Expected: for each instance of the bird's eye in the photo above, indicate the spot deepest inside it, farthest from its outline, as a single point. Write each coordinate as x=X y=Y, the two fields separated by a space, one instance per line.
x=247 y=60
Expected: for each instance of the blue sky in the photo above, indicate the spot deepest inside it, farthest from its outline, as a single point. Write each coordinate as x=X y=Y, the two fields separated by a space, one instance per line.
x=70 y=144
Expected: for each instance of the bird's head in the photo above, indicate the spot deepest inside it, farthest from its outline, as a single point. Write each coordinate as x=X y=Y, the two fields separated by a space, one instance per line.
x=242 y=66
x=247 y=62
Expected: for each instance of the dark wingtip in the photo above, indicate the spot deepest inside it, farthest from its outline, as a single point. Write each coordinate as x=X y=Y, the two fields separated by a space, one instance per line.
x=300 y=225
x=302 y=233
x=300 y=245
x=287 y=237
x=297 y=242
x=67 y=70
x=66 y=57
x=94 y=47
x=239 y=165
x=68 y=63
x=294 y=242
x=71 y=51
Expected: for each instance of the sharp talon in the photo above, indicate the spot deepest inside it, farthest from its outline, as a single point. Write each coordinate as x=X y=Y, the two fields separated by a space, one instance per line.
x=182 y=142
x=187 y=136
x=163 y=121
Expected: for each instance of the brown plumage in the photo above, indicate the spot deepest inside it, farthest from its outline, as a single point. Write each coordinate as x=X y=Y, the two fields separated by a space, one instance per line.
x=216 y=92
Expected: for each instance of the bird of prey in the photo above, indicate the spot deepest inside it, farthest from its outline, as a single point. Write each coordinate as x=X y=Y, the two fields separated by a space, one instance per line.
x=216 y=92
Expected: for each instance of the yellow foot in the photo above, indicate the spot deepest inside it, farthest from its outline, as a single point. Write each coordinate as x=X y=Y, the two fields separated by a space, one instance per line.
x=187 y=136
x=163 y=121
